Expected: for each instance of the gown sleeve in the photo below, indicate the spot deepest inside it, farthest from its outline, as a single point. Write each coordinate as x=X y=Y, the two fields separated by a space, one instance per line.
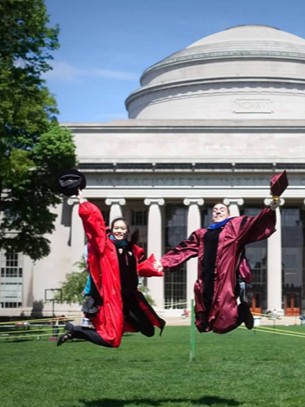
x=184 y=251
x=146 y=268
x=94 y=226
x=256 y=228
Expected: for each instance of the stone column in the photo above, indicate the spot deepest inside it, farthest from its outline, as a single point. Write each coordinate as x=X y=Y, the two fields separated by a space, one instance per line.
x=274 y=264
x=115 y=207
x=233 y=205
x=154 y=245
x=77 y=234
x=193 y=223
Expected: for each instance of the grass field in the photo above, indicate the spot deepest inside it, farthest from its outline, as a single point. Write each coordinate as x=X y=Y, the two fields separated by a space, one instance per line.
x=242 y=368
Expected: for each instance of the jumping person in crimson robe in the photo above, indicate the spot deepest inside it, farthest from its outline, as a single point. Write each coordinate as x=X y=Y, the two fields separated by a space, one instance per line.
x=221 y=263
x=114 y=264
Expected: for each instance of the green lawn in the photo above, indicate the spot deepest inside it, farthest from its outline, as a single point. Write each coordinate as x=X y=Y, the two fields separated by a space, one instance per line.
x=242 y=368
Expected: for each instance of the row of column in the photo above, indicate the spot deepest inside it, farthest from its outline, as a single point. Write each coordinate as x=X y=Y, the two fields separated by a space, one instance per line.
x=154 y=244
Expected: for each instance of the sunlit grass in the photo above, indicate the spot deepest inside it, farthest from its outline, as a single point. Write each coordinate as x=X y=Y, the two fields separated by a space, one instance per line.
x=242 y=368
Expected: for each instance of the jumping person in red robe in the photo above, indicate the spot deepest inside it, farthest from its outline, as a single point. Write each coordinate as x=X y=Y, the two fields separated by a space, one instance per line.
x=114 y=264
x=220 y=252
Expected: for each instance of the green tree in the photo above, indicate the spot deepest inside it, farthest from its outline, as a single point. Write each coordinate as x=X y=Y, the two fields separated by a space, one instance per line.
x=145 y=290
x=73 y=286
x=33 y=147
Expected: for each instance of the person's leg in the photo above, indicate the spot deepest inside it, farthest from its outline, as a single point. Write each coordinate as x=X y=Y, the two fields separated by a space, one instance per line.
x=245 y=315
x=139 y=320
x=88 y=334
x=79 y=332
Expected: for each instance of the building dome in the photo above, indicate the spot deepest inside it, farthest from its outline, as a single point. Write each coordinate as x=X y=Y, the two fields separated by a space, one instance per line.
x=248 y=71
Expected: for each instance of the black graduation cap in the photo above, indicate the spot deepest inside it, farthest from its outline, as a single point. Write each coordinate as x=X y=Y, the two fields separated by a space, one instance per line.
x=278 y=183
x=70 y=181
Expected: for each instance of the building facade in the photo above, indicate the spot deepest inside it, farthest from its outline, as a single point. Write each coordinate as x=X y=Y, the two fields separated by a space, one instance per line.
x=212 y=122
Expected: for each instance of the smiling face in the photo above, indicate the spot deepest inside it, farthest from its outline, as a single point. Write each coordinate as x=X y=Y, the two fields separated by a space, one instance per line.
x=119 y=229
x=220 y=212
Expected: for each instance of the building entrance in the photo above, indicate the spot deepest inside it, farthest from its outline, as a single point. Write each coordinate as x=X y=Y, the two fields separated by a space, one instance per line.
x=292 y=301
x=256 y=303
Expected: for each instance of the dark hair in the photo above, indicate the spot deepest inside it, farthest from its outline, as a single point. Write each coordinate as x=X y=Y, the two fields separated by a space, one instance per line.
x=122 y=219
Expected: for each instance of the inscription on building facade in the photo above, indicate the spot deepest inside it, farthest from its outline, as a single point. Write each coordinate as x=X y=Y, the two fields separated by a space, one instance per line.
x=252 y=106
x=191 y=180
x=156 y=180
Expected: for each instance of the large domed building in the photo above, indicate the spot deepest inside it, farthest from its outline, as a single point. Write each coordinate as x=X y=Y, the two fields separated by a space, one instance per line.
x=236 y=73
x=211 y=122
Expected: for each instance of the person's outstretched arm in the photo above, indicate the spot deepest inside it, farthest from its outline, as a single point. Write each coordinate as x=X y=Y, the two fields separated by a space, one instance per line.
x=184 y=251
x=256 y=228
x=93 y=223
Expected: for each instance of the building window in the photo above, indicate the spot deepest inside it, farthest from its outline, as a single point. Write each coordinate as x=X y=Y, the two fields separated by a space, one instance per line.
x=256 y=254
x=11 y=279
x=293 y=269
x=139 y=218
x=175 y=232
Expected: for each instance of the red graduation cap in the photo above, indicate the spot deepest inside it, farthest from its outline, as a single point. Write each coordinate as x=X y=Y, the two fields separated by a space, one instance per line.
x=278 y=183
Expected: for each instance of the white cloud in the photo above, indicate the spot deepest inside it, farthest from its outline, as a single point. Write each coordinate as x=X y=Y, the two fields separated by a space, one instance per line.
x=63 y=71
x=121 y=75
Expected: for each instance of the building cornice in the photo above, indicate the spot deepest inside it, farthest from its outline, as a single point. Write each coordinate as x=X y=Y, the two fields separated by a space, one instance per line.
x=170 y=126
x=240 y=167
x=178 y=60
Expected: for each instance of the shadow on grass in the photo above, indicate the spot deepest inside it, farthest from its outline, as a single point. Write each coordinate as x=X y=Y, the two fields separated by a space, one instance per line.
x=202 y=401
x=14 y=340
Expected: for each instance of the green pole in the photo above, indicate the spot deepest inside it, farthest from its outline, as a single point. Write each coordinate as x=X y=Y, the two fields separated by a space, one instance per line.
x=192 y=337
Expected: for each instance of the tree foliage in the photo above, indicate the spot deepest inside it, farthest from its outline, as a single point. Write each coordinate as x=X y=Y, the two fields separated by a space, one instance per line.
x=33 y=147
x=73 y=286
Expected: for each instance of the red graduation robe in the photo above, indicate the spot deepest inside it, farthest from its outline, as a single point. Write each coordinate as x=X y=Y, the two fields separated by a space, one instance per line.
x=104 y=268
x=235 y=234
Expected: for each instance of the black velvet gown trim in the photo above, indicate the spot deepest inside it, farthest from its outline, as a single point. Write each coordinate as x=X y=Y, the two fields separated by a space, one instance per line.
x=211 y=239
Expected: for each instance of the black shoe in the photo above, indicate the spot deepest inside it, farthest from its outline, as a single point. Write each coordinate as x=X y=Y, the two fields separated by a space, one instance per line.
x=62 y=339
x=246 y=315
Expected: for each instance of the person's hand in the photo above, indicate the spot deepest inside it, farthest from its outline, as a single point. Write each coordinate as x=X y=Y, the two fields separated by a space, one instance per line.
x=275 y=202
x=158 y=265
x=80 y=196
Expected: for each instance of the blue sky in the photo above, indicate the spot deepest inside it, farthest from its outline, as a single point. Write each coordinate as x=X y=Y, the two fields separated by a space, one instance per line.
x=107 y=44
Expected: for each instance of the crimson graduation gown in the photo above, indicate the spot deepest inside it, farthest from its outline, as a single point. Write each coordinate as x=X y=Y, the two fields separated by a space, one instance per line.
x=239 y=231
x=104 y=269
